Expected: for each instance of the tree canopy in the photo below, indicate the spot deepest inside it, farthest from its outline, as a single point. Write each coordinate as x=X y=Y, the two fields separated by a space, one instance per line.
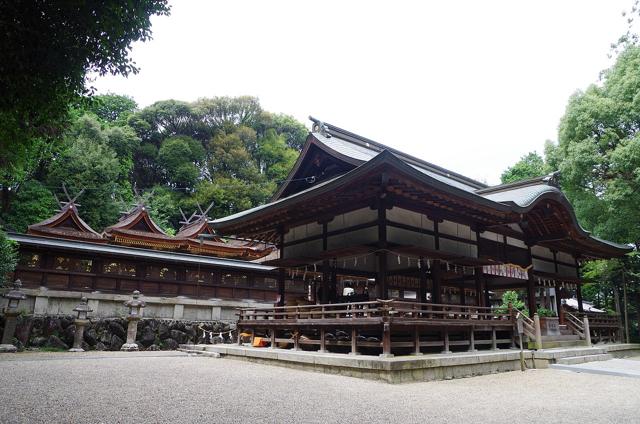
x=176 y=154
x=529 y=166
x=47 y=51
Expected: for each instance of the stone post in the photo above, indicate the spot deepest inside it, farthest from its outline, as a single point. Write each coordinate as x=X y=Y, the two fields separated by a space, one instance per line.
x=81 y=322
x=587 y=331
x=15 y=295
x=135 y=313
x=536 y=323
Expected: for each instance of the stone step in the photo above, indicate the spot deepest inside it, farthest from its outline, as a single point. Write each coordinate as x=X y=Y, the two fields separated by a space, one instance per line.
x=550 y=344
x=556 y=353
x=573 y=360
x=561 y=337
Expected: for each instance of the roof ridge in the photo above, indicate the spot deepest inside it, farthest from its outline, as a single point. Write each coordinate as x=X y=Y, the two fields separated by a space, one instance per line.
x=548 y=179
x=367 y=143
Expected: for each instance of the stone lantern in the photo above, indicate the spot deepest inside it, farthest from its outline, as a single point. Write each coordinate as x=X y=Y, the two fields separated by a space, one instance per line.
x=135 y=314
x=15 y=295
x=81 y=322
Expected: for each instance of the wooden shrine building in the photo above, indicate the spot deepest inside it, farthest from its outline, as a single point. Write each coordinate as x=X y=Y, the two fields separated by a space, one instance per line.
x=357 y=221
x=63 y=254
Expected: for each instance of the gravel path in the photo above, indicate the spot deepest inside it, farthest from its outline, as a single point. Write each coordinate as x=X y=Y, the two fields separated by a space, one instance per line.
x=173 y=387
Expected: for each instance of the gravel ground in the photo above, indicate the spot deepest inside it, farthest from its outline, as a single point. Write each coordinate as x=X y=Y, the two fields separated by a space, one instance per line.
x=173 y=387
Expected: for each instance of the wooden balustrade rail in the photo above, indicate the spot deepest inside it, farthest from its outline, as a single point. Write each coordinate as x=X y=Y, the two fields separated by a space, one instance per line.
x=398 y=310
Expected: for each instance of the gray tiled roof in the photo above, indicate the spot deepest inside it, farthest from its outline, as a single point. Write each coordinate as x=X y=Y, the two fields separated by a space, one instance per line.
x=135 y=253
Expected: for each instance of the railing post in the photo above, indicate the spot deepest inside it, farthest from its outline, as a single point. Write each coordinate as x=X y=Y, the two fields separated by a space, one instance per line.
x=273 y=338
x=416 y=337
x=587 y=331
x=354 y=341
x=323 y=341
x=446 y=341
x=239 y=329
x=536 y=323
x=386 y=339
x=494 y=339
x=472 y=341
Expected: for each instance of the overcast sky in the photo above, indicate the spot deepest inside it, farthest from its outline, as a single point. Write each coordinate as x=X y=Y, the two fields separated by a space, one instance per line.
x=468 y=85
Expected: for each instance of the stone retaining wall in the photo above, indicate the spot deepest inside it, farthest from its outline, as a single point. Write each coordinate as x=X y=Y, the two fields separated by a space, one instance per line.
x=57 y=332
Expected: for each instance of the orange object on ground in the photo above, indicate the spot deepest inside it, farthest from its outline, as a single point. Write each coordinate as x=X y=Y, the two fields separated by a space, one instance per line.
x=260 y=342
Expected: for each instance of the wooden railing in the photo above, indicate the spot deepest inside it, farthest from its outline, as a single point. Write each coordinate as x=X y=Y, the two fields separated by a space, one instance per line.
x=575 y=324
x=394 y=309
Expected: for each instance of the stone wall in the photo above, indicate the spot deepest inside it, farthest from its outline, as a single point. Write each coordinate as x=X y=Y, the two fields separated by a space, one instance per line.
x=57 y=332
x=45 y=302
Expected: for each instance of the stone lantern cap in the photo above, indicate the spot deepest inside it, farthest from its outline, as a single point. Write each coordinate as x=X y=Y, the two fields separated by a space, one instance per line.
x=83 y=306
x=15 y=293
x=135 y=302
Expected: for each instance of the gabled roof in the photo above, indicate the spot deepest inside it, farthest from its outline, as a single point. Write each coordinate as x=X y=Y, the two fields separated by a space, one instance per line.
x=188 y=238
x=506 y=204
x=356 y=150
x=66 y=224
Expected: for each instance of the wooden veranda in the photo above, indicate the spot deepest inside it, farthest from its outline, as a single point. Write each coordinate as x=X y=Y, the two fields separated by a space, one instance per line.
x=380 y=326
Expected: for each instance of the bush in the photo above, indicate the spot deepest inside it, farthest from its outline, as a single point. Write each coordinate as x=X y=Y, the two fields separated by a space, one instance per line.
x=512 y=297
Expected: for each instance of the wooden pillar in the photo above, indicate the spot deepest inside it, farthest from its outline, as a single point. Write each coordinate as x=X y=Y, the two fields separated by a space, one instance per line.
x=579 y=297
x=436 y=275
x=422 y=298
x=463 y=296
x=487 y=295
x=472 y=341
x=579 y=291
x=416 y=340
x=333 y=287
x=273 y=338
x=531 y=289
x=381 y=255
x=446 y=341
x=324 y=285
x=281 y=277
x=478 y=277
x=559 y=304
x=354 y=341
x=281 y=271
x=558 y=296
x=386 y=339
x=494 y=341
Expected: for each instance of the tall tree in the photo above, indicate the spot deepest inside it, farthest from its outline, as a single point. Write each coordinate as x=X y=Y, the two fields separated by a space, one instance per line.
x=47 y=49
x=598 y=152
x=529 y=166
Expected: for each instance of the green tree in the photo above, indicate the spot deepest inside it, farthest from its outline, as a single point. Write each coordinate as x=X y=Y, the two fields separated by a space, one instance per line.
x=294 y=132
x=8 y=257
x=182 y=159
x=112 y=108
x=94 y=166
x=47 y=49
x=274 y=157
x=33 y=202
x=529 y=166
x=598 y=152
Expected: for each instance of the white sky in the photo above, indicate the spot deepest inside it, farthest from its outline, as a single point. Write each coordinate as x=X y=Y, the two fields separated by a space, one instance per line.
x=468 y=85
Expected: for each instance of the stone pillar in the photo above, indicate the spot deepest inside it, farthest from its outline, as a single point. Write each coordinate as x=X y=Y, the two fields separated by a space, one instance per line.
x=135 y=308
x=14 y=296
x=178 y=311
x=81 y=321
x=79 y=335
x=10 y=322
